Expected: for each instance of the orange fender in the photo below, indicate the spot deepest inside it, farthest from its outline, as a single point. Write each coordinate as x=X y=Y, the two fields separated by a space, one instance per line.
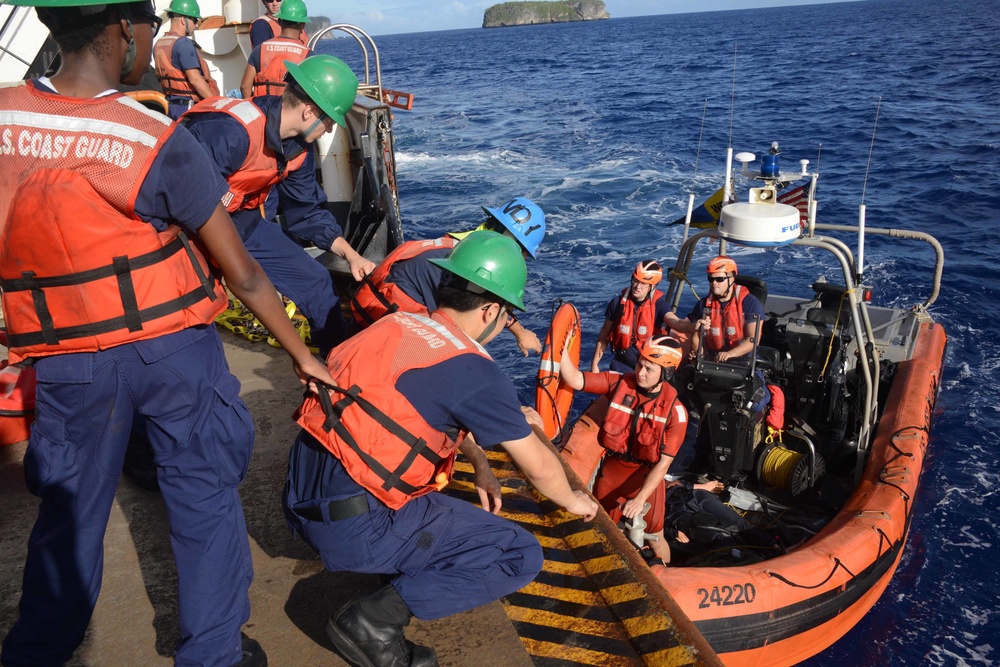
x=553 y=398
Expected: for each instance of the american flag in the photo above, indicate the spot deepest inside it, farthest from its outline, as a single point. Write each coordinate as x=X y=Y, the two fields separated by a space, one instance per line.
x=799 y=198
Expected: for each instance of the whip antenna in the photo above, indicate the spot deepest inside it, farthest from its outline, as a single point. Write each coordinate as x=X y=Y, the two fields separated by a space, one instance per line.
x=728 y=187
x=860 y=270
x=697 y=156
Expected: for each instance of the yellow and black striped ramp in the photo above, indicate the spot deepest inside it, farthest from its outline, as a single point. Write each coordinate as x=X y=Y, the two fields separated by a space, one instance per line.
x=595 y=601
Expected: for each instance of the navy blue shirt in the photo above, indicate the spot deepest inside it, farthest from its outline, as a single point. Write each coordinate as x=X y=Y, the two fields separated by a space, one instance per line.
x=467 y=392
x=184 y=56
x=227 y=143
x=418 y=278
x=260 y=32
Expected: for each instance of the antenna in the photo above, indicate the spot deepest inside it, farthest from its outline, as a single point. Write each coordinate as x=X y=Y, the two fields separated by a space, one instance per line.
x=697 y=157
x=728 y=187
x=811 y=202
x=860 y=269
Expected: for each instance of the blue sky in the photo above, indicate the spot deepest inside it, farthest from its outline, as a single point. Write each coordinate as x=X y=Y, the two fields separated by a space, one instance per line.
x=387 y=17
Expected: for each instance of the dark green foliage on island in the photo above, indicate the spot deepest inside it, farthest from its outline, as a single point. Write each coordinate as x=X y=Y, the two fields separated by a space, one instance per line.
x=528 y=13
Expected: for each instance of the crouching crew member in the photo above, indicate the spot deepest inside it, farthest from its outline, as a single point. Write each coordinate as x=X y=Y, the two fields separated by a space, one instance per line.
x=407 y=280
x=107 y=269
x=266 y=142
x=180 y=67
x=643 y=431
x=366 y=470
x=632 y=318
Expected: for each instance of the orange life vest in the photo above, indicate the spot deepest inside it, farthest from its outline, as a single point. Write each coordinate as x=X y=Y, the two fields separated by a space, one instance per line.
x=172 y=80
x=726 y=329
x=634 y=430
x=635 y=325
x=270 y=79
x=251 y=183
x=79 y=271
x=377 y=297
x=276 y=29
x=381 y=439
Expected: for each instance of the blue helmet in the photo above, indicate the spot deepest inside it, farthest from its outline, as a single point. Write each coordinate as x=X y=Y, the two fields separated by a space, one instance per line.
x=523 y=219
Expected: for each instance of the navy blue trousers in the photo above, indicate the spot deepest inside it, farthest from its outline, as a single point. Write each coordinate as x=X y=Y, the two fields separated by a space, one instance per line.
x=202 y=436
x=300 y=278
x=444 y=555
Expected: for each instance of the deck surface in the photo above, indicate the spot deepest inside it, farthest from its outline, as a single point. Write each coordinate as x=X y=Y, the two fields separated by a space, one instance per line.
x=587 y=607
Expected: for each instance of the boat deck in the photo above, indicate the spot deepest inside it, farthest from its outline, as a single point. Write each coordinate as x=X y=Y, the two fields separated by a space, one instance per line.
x=589 y=606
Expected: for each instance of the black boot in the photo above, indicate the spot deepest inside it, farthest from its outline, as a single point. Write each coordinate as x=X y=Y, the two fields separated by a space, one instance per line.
x=253 y=654
x=368 y=632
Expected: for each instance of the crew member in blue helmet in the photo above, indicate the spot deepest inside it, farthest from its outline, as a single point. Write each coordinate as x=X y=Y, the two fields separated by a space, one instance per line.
x=265 y=142
x=407 y=280
x=113 y=234
x=366 y=470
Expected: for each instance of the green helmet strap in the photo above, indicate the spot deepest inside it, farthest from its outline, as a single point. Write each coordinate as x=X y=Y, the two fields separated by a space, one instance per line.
x=130 y=55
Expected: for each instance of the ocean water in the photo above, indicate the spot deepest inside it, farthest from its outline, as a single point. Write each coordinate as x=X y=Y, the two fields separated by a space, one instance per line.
x=599 y=123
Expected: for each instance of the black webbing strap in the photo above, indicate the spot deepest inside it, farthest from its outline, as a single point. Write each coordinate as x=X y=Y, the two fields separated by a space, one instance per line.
x=140 y=262
x=389 y=306
x=121 y=267
x=207 y=281
x=127 y=291
x=105 y=326
x=417 y=446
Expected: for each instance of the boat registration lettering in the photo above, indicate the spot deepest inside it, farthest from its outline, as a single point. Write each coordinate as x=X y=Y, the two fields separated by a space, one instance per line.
x=727 y=596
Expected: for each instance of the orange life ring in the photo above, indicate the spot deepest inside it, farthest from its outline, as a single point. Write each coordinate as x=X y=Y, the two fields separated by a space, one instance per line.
x=553 y=398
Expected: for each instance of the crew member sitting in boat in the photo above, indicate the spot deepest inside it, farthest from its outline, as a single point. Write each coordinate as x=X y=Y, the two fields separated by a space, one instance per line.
x=408 y=280
x=265 y=72
x=267 y=141
x=267 y=26
x=632 y=318
x=182 y=71
x=643 y=431
x=728 y=318
x=366 y=470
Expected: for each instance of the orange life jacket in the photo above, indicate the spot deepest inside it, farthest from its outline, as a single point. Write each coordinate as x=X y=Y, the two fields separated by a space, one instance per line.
x=276 y=29
x=634 y=430
x=776 y=408
x=251 y=183
x=726 y=330
x=377 y=297
x=636 y=325
x=80 y=272
x=381 y=439
x=172 y=80
x=270 y=79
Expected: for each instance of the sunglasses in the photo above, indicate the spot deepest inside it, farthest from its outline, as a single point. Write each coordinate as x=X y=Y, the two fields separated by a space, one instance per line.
x=155 y=22
x=718 y=279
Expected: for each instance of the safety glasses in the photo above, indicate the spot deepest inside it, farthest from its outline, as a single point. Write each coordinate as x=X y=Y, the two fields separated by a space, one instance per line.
x=718 y=279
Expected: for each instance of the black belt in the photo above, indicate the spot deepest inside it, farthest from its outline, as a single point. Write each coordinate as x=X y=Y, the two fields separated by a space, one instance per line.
x=337 y=510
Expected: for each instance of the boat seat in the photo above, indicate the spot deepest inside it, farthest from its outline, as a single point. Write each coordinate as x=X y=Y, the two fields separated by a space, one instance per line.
x=768 y=358
x=757 y=286
x=829 y=294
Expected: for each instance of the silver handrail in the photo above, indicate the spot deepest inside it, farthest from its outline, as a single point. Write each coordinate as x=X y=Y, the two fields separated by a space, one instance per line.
x=365 y=42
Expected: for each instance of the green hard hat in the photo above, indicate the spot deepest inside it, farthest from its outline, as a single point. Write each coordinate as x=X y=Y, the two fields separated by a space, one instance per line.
x=185 y=8
x=294 y=11
x=491 y=261
x=328 y=82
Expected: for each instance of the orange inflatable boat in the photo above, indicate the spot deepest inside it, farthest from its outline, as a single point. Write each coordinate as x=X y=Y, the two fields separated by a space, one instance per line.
x=832 y=491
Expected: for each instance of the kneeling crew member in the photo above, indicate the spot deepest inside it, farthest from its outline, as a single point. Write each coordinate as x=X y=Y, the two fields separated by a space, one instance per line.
x=365 y=472
x=407 y=280
x=643 y=431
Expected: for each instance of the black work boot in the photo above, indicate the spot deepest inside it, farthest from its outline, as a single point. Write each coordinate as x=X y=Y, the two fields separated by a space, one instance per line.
x=368 y=632
x=253 y=654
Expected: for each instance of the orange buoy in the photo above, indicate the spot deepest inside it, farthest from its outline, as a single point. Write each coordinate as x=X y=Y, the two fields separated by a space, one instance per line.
x=553 y=398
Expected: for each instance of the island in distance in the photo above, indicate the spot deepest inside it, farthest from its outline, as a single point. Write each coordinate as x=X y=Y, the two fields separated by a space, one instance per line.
x=530 y=13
